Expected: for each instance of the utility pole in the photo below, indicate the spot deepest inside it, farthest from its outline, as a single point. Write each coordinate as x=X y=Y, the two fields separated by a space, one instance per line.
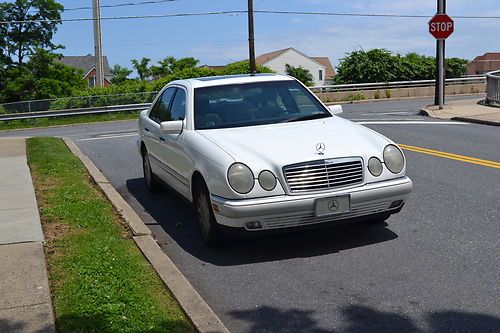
x=440 y=62
x=251 y=45
x=99 y=67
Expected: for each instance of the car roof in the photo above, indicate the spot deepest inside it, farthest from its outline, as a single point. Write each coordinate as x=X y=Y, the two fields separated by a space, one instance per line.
x=210 y=81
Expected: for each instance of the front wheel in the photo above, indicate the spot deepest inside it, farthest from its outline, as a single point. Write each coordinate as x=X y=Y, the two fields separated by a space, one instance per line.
x=209 y=229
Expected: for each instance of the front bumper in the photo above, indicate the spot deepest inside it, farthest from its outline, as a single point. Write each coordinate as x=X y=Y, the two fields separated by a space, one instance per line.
x=286 y=211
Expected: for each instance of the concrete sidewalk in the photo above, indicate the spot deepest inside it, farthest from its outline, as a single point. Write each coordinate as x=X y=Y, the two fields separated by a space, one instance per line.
x=465 y=110
x=25 y=301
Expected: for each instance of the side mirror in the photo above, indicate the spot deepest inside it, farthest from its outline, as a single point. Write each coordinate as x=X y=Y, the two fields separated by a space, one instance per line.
x=335 y=109
x=171 y=127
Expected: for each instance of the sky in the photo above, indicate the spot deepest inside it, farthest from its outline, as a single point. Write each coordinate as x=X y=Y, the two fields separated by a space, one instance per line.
x=218 y=40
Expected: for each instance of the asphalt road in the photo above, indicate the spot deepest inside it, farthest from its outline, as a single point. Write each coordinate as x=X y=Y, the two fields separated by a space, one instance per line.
x=432 y=268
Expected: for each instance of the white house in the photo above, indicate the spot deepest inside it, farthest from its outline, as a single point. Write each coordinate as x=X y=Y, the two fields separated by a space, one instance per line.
x=320 y=67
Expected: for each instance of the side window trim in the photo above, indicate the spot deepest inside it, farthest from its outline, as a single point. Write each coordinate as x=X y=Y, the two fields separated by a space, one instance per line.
x=185 y=100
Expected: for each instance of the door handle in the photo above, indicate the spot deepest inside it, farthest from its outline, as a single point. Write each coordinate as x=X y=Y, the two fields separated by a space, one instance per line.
x=146 y=129
x=162 y=139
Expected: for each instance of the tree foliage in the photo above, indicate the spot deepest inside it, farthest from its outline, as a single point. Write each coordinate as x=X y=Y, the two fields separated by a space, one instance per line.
x=41 y=77
x=18 y=41
x=300 y=73
x=142 y=68
x=381 y=65
x=120 y=74
x=170 y=65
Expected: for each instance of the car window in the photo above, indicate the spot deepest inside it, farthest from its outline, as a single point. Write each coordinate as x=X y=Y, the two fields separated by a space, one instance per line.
x=178 y=108
x=255 y=103
x=160 y=111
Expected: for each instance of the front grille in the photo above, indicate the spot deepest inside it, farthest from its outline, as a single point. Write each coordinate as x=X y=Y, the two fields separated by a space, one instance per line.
x=294 y=220
x=324 y=174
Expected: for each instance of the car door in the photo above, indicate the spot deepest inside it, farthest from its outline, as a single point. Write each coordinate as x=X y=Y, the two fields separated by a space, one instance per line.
x=158 y=113
x=173 y=154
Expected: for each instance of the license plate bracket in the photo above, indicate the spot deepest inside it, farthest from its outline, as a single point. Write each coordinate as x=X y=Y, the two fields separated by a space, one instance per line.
x=332 y=205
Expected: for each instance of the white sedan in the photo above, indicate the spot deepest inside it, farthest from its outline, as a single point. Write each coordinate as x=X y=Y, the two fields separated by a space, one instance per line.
x=263 y=152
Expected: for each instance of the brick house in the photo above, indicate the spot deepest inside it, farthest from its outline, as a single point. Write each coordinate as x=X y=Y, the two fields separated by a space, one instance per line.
x=485 y=63
x=87 y=65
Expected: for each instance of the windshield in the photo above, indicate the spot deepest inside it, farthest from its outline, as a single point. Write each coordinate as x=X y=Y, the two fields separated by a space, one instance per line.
x=256 y=103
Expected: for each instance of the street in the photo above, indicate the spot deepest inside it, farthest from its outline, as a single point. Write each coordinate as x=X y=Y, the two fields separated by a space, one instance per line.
x=434 y=267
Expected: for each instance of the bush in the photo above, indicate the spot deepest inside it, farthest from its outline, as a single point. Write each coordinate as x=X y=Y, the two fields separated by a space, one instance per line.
x=354 y=97
x=138 y=91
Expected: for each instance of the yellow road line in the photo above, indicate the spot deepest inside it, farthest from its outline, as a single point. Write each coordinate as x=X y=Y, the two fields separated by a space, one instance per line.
x=462 y=158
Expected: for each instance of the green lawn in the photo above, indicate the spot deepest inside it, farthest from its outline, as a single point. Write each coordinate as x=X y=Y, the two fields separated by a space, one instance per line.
x=100 y=281
x=68 y=120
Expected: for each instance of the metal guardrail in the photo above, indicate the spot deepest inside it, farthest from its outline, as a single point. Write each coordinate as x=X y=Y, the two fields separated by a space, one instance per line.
x=138 y=101
x=65 y=103
x=493 y=87
x=74 y=112
x=396 y=84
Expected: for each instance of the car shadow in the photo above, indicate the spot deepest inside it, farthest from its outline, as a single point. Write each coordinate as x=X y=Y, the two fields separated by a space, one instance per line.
x=363 y=318
x=174 y=215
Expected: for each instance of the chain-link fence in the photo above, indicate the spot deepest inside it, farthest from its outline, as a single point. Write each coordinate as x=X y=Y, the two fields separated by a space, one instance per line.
x=77 y=102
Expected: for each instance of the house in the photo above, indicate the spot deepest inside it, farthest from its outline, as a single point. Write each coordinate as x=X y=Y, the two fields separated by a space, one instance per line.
x=87 y=65
x=488 y=62
x=320 y=67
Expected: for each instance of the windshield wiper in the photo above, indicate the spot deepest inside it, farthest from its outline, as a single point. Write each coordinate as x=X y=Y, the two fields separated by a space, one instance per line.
x=308 y=117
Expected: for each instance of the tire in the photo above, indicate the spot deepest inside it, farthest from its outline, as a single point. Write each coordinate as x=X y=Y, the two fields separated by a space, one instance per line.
x=207 y=225
x=149 y=177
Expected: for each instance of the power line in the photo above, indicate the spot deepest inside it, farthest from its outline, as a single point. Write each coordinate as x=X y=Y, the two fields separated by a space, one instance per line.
x=126 y=4
x=238 y=12
x=285 y=12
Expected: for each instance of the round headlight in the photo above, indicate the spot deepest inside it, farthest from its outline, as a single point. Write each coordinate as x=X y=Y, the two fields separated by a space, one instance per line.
x=267 y=180
x=240 y=178
x=393 y=159
x=375 y=166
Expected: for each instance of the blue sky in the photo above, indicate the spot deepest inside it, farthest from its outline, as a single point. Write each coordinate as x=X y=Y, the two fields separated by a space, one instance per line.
x=217 y=40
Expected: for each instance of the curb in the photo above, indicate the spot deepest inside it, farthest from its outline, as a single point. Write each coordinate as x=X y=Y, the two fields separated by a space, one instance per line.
x=476 y=121
x=198 y=311
x=425 y=112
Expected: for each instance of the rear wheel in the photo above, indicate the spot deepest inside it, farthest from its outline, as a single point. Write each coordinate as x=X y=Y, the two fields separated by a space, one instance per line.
x=149 y=177
x=209 y=229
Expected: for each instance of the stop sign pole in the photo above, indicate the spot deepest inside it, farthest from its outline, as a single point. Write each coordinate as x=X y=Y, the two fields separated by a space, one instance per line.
x=440 y=54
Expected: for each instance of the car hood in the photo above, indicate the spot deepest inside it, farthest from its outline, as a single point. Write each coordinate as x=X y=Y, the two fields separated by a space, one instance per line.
x=287 y=143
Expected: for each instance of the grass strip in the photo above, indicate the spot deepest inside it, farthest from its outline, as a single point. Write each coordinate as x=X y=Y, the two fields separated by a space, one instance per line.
x=66 y=120
x=100 y=281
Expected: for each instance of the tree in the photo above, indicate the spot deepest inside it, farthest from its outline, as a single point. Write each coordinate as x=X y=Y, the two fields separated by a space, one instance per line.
x=41 y=78
x=20 y=40
x=243 y=67
x=170 y=65
x=120 y=74
x=300 y=73
x=381 y=65
x=377 y=65
x=141 y=66
x=456 y=67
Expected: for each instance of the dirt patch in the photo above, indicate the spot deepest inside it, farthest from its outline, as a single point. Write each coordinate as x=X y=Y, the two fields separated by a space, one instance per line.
x=54 y=231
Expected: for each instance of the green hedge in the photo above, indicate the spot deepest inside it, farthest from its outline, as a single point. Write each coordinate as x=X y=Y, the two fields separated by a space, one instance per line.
x=137 y=91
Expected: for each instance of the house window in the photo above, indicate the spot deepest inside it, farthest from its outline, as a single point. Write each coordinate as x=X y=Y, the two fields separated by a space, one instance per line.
x=320 y=75
x=92 y=81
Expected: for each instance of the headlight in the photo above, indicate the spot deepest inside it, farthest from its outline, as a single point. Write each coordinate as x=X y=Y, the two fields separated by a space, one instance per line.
x=375 y=166
x=393 y=159
x=240 y=178
x=267 y=180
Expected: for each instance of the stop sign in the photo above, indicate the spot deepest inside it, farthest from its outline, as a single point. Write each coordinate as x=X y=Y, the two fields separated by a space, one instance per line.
x=441 y=26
